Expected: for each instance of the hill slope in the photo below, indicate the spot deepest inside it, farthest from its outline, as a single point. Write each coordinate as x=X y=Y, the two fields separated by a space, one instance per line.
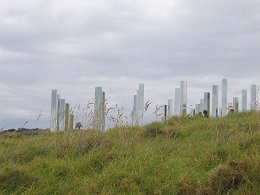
x=179 y=156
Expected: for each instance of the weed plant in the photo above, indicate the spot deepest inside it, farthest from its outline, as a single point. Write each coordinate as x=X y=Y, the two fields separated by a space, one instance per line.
x=181 y=155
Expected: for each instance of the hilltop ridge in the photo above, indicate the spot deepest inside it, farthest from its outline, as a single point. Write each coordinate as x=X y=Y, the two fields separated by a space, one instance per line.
x=182 y=155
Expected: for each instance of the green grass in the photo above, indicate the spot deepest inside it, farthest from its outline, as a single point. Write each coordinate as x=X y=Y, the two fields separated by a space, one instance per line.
x=179 y=156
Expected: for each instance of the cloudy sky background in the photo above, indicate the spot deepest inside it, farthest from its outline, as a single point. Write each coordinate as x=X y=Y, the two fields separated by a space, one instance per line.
x=74 y=46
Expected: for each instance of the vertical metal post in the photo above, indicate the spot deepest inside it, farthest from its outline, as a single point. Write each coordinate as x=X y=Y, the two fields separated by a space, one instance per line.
x=220 y=112
x=183 y=100
x=103 y=111
x=244 y=100
x=253 y=97
x=97 y=104
x=197 y=108
x=54 y=110
x=140 y=104
x=207 y=102
x=58 y=112
x=71 y=123
x=224 y=97
x=67 y=110
x=177 y=102
x=169 y=108
x=215 y=101
x=165 y=112
x=99 y=109
x=138 y=108
x=61 y=114
x=202 y=105
x=135 y=108
x=235 y=104
x=192 y=112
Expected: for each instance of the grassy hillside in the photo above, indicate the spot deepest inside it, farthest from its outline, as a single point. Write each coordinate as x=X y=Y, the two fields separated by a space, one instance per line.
x=180 y=156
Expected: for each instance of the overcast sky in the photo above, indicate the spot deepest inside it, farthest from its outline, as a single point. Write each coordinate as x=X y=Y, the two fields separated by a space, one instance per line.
x=75 y=46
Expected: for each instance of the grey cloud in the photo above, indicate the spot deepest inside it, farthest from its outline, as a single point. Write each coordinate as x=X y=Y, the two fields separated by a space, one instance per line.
x=74 y=46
